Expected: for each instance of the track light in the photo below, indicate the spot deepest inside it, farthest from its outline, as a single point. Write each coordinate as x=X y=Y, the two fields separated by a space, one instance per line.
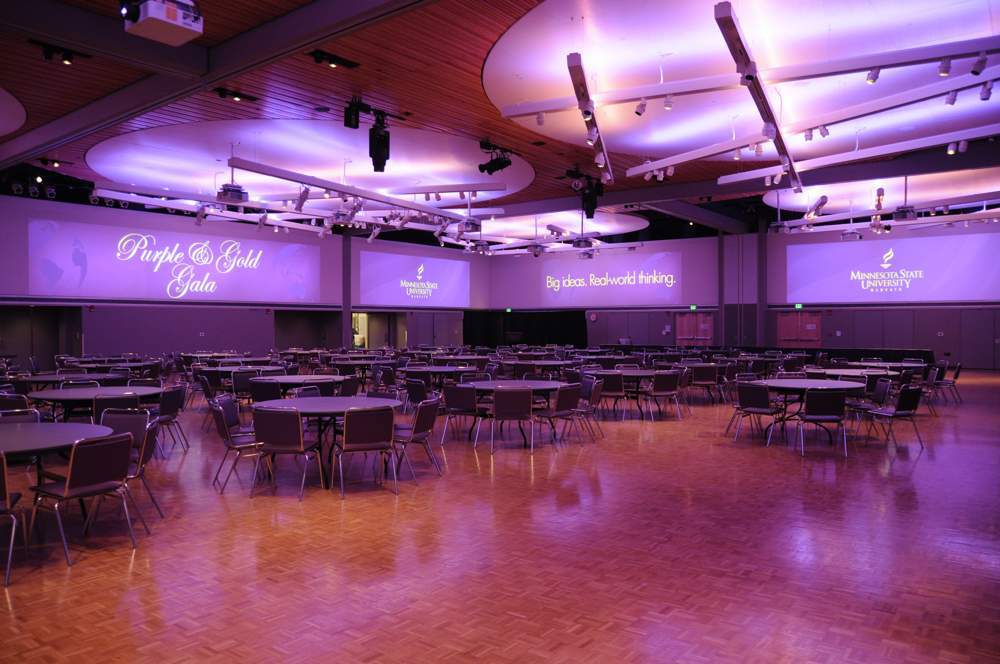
x=332 y=61
x=261 y=221
x=736 y=154
x=873 y=75
x=879 y=198
x=540 y=119
x=986 y=91
x=374 y=234
x=640 y=108
x=427 y=196
x=668 y=103
x=979 y=65
x=944 y=69
x=303 y=197
x=816 y=207
x=199 y=217
x=648 y=176
x=670 y=171
x=599 y=160
x=326 y=193
x=378 y=143
x=67 y=57
x=952 y=148
x=437 y=196
x=276 y=229
x=591 y=136
x=963 y=146
x=587 y=110
x=823 y=131
x=50 y=192
x=659 y=175
x=767 y=180
x=808 y=134
x=951 y=98
x=758 y=149
x=235 y=96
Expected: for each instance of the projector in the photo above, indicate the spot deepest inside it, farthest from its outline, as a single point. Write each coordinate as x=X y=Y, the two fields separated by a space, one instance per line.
x=171 y=22
x=904 y=213
x=582 y=243
x=232 y=193
x=850 y=234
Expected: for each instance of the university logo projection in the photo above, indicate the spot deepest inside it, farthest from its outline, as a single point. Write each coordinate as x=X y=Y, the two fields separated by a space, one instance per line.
x=419 y=289
x=886 y=281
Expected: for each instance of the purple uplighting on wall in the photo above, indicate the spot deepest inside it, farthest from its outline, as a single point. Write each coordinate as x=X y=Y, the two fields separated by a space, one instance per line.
x=955 y=268
x=67 y=259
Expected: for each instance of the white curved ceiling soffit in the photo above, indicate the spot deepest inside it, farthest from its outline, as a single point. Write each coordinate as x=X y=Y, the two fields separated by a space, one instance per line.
x=646 y=42
x=12 y=113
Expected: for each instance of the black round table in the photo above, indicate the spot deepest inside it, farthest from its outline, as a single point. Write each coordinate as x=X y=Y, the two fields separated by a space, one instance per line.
x=440 y=371
x=55 y=379
x=75 y=396
x=29 y=437
x=892 y=366
x=855 y=373
x=325 y=409
x=624 y=373
x=800 y=385
x=124 y=365
x=237 y=367
x=533 y=385
x=300 y=380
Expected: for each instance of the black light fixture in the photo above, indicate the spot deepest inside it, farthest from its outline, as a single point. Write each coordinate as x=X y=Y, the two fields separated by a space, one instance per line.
x=332 y=61
x=499 y=157
x=225 y=93
x=378 y=142
x=129 y=9
x=50 y=51
x=353 y=111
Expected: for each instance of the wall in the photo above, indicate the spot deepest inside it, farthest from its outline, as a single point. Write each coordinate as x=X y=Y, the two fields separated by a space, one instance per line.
x=18 y=211
x=296 y=328
x=519 y=281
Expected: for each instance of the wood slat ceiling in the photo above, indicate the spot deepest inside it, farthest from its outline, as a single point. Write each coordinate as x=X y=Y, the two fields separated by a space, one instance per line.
x=426 y=62
x=224 y=19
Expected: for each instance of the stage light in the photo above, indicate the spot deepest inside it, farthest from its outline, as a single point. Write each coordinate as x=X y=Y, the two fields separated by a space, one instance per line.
x=38 y=179
x=303 y=197
x=374 y=234
x=33 y=191
x=199 y=217
x=758 y=149
x=963 y=146
x=326 y=193
x=437 y=196
x=986 y=91
x=736 y=154
x=67 y=57
x=50 y=192
x=94 y=200
x=427 y=196
x=979 y=65
x=659 y=175
x=668 y=103
x=823 y=131
x=767 y=180
x=261 y=221
x=640 y=108
x=499 y=162
x=540 y=119
x=599 y=160
x=109 y=202
x=951 y=98
x=873 y=75
x=816 y=207
x=808 y=134
x=378 y=143
x=592 y=136
x=276 y=229
x=461 y=195
x=648 y=176
x=944 y=69
x=952 y=148
x=670 y=171
x=587 y=110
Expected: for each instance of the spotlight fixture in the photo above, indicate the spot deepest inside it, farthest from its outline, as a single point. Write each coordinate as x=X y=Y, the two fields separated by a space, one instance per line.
x=332 y=61
x=873 y=75
x=427 y=196
x=199 y=217
x=767 y=180
x=108 y=202
x=38 y=179
x=591 y=136
x=986 y=91
x=659 y=175
x=437 y=196
x=979 y=65
x=816 y=207
x=50 y=192
x=94 y=200
x=326 y=193
x=944 y=69
x=587 y=110
x=879 y=198
x=50 y=51
x=736 y=154
x=303 y=197
x=963 y=145
x=823 y=131
x=276 y=229
x=540 y=119
x=952 y=148
x=378 y=142
x=951 y=98
x=54 y=163
x=499 y=158
x=640 y=108
x=808 y=134
x=225 y=93
x=33 y=192
x=67 y=58
x=647 y=176
x=461 y=195
x=670 y=171
x=758 y=149
x=376 y=229
x=599 y=160
x=261 y=221
x=668 y=103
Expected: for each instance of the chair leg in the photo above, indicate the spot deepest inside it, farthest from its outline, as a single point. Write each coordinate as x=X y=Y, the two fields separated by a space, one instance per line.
x=152 y=498
x=444 y=432
x=128 y=519
x=531 y=425
x=492 y=434
x=10 y=550
x=395 y=478
x=256 y=470
x=222 y=462
x=917 y=431
x=340 y=467
x=62 y=535
x=843 y=434
x=802 y=439
x=138 y=512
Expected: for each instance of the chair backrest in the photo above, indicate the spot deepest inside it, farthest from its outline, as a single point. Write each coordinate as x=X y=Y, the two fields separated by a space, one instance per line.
x=67 y=384
x=144 y=382
x=746 y=377
x=367 y=428
x=99 y=460
x=273 y=371
x=460 y=397
x=219 y=419
x=816 y=375
x=416 y=390
x=349 y=386
x=306 y=391
x=104 y=401
x=751 y=395
x=13 y=401
x=568 y=397
x=241 y=380
x=619 y=367
x=908 y=400
x=127 y=420
x=380 y=394
x=278 y=428
x=512 y=403
x=20 y=415
x=881 y=392
x=958 y=370
x=264 y=390
x=704 y=373
x=172 y=400
x=614 y=383
x=230 y=410
x=596 y=391
x=423 y=419
x=932 y=375
x=666 y=381
x=825 y=402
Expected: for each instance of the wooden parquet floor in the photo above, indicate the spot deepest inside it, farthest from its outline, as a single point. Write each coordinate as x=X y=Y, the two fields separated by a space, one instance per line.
x=662 y=542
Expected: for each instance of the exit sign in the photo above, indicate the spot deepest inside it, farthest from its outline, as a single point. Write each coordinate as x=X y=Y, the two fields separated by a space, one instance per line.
x=694 y=307
x=507 y=309
x=798 y=305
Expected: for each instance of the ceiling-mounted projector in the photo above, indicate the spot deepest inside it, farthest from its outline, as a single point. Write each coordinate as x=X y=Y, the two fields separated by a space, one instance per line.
x=583 y=243
x=904 y=213
x=232 y=193
x=850 y=234
x=171 y=22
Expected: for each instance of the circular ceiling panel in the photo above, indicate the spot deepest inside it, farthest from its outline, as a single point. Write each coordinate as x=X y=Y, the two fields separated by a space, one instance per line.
x=192 y=158
x=915 y=190
x=627 y=45
x=12 y=114
x=569 y=222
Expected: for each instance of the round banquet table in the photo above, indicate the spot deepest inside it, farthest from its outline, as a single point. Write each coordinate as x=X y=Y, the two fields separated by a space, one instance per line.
x=327 y=406
x=440 y=371
x=800 y=385
x=855 y=373
x=542 y=364
x=74 y=396
x=460 y=358
x=29 y=437
x=894 y=366
x=124 y=365
x=624 y=373
x=299 y=380
x=533 y=385
x=238 y=367
x=55 y=379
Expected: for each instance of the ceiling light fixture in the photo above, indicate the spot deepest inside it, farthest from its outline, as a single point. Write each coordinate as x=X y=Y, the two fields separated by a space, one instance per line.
x=808 y=134
x=540 y=119
x=640 y=108
x=600 y=160
x=378 y=142
x=332 y=61
x=979 y=65
x=758 y=149
x=437 y=196
x=873 y=75
x=951 y=98
x=944 y=69
x=591 y=136
x=199 y=217
x=952 y=148
x=67 y=57
x=816 y=207
x=986 y=91
x=736 y=154
x=225 y=93
x=670 y=171
x=668 y=103
x=963 y=145
x=499 y=158
x=823 y=131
